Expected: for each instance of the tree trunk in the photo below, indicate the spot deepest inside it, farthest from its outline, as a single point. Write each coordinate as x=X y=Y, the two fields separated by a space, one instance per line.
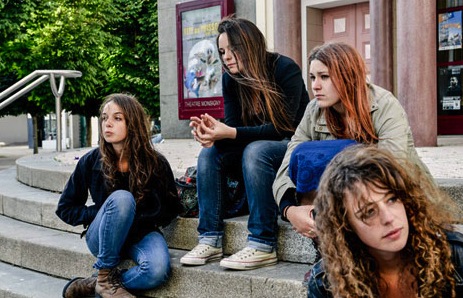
x=88 y=127
x=35 y=134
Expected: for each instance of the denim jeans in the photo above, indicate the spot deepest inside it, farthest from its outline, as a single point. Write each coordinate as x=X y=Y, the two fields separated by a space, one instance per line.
x=258 y=164
x=106 y=236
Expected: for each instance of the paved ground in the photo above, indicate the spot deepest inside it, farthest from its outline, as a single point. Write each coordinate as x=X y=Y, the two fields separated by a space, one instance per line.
x=9 y=154
x=444 y=161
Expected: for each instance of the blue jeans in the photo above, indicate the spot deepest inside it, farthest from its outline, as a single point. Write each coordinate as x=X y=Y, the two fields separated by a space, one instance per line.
x=106 y=236
x=258 y=164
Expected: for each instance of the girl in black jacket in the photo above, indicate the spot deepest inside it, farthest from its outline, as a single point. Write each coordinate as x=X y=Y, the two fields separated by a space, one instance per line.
x=133 y=192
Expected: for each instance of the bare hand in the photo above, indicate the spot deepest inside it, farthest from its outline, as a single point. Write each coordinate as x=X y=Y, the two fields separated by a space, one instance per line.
x=211 y=130
x=301 y=220
x=195 y=124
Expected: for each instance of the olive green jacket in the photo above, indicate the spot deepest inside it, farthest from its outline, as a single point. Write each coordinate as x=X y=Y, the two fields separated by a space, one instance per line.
x=390 y=123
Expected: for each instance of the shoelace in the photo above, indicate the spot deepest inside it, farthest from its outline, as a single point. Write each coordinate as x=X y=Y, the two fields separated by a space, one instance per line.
x=246 y=252
x=200 y=248
x=114 y=278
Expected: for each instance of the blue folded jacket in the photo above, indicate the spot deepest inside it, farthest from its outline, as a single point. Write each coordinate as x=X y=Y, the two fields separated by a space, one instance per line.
x=309 y=160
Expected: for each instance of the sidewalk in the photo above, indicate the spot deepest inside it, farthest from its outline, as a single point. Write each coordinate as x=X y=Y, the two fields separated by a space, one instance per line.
x=444 y=161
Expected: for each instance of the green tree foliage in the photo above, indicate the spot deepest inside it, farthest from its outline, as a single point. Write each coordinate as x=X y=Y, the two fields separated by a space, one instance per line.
x=134 y=65
x=114 y=43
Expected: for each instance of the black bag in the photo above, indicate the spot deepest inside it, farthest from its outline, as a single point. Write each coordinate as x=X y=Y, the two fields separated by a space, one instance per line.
x=235 y=204
x=186 y=189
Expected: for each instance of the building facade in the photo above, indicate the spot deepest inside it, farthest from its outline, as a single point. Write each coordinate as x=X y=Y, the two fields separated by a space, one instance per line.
x=397 y=38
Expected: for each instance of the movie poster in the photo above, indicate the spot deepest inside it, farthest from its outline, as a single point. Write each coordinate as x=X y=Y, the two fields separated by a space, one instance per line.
x=449 y=29
x=202 y=69
x=449 y=83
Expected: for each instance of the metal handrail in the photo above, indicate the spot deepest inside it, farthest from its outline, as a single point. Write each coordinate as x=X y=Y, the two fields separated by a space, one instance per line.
x=57 y=92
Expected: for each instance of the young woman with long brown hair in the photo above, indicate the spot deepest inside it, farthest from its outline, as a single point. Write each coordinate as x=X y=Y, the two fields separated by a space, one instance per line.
x=384 y=230
x=346 y=106
x=133 y=192
x=264 y=98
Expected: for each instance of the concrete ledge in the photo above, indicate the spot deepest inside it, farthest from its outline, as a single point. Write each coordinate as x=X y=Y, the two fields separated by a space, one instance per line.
x=65 y=255
x=454 y=188
x=54 y=252
x=282 y=280
x=30 y=204
x=292 y=247
x=44 y=171
x=51 y=170
x=37 y=206
x=22 y=283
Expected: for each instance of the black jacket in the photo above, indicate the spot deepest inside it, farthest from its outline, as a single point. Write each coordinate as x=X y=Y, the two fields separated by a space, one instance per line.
x=318 y=284
x=159 y=207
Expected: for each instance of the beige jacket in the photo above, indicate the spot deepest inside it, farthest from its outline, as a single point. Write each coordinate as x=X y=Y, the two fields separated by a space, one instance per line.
x=390 y=123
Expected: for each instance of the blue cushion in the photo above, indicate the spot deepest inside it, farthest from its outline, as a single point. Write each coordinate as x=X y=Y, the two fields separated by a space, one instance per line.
x=309 y=160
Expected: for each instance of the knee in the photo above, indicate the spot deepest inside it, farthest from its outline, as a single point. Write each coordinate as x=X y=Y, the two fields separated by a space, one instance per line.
x=254 y=154
x=157 y=272
x=122 y=199
x=207 y=158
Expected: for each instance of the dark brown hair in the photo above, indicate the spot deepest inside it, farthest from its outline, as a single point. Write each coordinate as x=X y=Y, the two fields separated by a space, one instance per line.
x=138 y=149
x=259 y=94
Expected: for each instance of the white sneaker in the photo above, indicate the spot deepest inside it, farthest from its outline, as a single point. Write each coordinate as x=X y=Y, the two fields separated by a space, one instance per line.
x=201 y=254
x=249 y=258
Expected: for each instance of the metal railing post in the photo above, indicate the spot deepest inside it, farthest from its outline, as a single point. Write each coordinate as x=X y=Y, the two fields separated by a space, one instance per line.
x=57 y=92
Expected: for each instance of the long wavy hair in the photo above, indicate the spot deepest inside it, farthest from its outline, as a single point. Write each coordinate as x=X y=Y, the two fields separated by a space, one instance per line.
x=138 y=149
x=259 y=94
x=350 y=268
x=347 y=71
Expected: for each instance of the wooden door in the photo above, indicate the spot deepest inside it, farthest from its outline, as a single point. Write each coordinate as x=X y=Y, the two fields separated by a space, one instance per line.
x=349 y=24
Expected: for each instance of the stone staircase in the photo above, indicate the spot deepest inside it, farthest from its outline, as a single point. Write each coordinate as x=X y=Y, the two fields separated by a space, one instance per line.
x=39 y=252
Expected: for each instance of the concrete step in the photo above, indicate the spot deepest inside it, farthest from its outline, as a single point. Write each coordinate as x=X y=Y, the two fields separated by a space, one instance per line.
x=29 y=204
x=64 y=254
x=51 y=170
x=38 y=207
x=16 y=282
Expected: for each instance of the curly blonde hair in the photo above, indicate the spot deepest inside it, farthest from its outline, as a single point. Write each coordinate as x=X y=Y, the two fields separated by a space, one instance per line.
x=350 y=269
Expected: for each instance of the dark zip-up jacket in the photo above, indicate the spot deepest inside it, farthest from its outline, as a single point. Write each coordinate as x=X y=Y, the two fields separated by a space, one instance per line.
x=159 y=207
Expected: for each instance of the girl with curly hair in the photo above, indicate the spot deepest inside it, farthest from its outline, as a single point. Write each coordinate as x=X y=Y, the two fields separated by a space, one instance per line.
x=379 y=233
x=133 y=192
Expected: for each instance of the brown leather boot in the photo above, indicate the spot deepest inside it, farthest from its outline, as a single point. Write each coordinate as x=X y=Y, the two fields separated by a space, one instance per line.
x=109 y=285
x=80 y=287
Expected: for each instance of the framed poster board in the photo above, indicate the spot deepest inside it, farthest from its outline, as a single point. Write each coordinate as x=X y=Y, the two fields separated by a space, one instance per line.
x=199 y=69
x=449 y=29
x=450 y=90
